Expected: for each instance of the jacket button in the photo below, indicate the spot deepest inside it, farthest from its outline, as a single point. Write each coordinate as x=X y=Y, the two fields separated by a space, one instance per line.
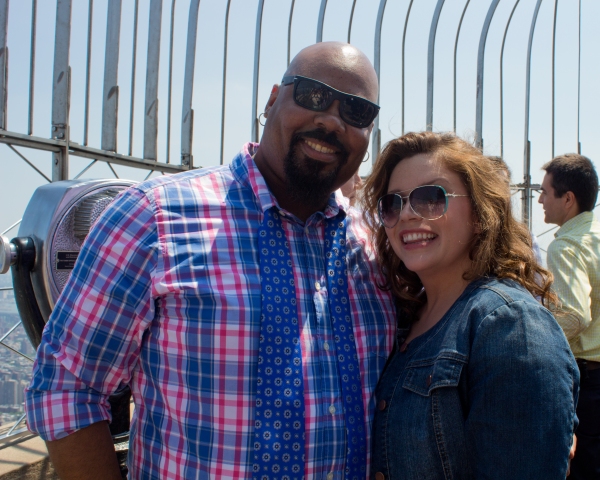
x=381 y=405
x=429 y=380
x=379 y=476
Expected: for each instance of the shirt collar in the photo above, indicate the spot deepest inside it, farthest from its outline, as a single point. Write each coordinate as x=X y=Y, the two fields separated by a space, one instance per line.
x=247 y=173
x=575 y=222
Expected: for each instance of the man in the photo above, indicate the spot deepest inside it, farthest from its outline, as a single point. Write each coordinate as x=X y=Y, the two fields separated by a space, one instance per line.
x=568 y=194
x=239 y=303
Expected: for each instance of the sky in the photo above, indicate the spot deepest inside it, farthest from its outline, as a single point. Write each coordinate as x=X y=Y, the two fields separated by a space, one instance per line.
x=574 y=120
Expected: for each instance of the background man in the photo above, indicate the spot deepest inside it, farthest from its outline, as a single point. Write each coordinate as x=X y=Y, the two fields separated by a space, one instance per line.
x=239 y=303
x=569 y=193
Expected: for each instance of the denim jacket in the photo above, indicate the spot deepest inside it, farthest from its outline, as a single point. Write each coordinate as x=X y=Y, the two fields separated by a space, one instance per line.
x=489 y=392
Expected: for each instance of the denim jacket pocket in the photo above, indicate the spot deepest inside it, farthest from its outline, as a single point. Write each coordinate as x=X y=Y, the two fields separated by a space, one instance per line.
x=425 y=375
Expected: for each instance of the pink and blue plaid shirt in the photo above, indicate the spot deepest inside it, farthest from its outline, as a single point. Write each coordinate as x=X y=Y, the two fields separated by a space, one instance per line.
x=165 y=297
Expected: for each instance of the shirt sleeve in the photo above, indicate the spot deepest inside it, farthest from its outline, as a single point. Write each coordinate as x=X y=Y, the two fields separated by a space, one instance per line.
x=91 y=343
x=572 y=285
x=522 y=391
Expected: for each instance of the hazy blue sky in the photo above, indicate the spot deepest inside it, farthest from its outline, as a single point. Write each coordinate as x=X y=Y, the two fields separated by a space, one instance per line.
x=18 y=180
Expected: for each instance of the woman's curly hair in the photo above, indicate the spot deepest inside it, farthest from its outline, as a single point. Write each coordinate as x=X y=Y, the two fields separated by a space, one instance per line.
x=502 y=249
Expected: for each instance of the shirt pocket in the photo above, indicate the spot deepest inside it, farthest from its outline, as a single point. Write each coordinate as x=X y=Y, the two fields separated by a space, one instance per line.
x=425 y=375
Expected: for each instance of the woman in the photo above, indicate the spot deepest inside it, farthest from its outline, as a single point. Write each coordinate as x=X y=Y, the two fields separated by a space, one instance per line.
x=481 y=383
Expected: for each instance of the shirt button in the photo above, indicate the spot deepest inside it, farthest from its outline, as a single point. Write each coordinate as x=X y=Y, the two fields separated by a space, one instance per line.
x=330 y=476
x=317 y=286
x=332 y=409
x=379 y=476
x=381 y=405
x=326 y=346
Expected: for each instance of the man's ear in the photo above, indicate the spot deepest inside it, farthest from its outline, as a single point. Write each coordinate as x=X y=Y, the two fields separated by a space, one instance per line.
x=570 y=201
x=272 y=98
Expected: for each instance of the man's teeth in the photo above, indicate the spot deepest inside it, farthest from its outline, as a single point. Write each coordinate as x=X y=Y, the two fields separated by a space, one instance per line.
x=319 y=148
x=416 y=237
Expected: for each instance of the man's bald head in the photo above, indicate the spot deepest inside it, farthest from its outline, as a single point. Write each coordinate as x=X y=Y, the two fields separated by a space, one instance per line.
x=341 y=58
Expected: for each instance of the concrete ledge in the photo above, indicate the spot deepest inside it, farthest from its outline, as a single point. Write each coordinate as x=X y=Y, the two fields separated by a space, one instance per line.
x=26 y=461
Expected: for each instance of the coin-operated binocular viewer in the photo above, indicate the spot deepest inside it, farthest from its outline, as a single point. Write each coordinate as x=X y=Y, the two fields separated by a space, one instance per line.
x=57 y=220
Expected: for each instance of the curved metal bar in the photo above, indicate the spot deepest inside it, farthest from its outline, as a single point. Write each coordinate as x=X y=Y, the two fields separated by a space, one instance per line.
x=110 y=97
x=133 y=67
x=351 y=19
x=430 y=62
x=289 y=46
x=169 y=92
x=376 y=133
x=187 y=113
x=526 y=212
x=152 y=67
x=455 y=55
x=403 y=51
x=259 y=14
x=321 y=20
x=32 y=65
x=553 y=75
x=224 y=92
x=579 y=84
x=502 y=81
x=480 y=65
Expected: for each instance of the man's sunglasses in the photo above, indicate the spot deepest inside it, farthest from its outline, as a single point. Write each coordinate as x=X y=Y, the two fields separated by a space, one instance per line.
x=319 y=96
x=429 y=202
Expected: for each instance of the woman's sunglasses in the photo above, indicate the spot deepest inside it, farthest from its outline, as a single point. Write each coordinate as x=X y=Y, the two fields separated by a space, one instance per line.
x=429 y=202
x=319 y=96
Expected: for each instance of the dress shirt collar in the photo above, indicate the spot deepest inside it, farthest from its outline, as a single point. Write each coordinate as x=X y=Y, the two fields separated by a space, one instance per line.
x=575 y=222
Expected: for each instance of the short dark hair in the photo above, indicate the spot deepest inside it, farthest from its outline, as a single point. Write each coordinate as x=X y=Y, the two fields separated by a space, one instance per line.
x=574 y=173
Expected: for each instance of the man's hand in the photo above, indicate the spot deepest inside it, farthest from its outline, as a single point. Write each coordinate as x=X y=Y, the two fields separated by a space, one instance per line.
x=87 y=454
x=572 y=454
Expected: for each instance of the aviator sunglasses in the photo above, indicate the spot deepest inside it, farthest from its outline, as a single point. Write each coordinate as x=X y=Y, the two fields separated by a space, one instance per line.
x=319 y=96
x=429 y=202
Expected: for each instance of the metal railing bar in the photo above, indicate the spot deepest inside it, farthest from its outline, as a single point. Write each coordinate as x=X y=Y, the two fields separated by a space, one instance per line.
x=88 y=67
x=480 y=72
x=30 y=141
x=28 y=162
x=148 y=176
x=16 y=351
x=403 y=52
x=289 y=45
x=526 y=153
x=85 y=169
x=255 y=77
x=3 y=62
x=321 y=20
x=120 y=159
x=110 y=100
x=133 y=68
x=376 y=133
x=32 y=66
x=112 y=169
x=187 y=113
x=18 y=422
x=170 y=82
x=10 y=331
x=224 y=88
x=10 y=228
x=553 y=92
x=502 y=79
x=5 y=289
x=351 y=20
x=430 y=62
x=462 y=16
x=17 y=437
x=152 y=73
x=579 y=83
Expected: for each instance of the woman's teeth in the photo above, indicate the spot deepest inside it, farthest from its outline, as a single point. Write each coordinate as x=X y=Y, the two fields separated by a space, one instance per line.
x=319 y=148
x=417 y=237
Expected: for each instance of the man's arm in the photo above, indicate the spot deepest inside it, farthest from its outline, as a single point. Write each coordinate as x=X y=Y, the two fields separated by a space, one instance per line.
x=572 y=285
x=86 y=454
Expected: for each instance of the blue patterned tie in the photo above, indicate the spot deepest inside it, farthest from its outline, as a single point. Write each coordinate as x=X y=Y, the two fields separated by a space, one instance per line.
x=279 y=415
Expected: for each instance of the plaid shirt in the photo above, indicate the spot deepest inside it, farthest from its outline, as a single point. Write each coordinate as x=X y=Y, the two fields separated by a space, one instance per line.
x=165 y=297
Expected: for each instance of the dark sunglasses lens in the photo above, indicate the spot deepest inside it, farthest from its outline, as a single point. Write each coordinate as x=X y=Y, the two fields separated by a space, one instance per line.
x=428 y=202
x=390 y=206
x=313 y=95
x=357 y=112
